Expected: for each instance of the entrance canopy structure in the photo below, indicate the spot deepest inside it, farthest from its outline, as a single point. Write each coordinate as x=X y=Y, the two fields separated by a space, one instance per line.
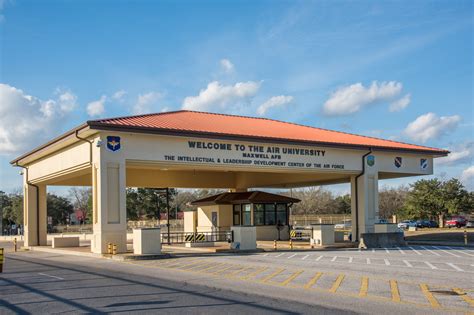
x=187 y=149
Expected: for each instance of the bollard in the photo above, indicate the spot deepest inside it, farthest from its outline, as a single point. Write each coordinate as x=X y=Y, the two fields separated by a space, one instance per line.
x=291 y=244
x=275 y=245
x=14 y=244
x=114 y=249
x=1 y=260
x=109 y=248
x=465 y=237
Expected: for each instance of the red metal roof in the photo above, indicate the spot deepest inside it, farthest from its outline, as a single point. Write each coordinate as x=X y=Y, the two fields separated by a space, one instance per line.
x=202 y=124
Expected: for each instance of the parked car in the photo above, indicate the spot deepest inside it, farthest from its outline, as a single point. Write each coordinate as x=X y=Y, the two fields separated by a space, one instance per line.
x=422 y=224
x=345 y=225
x=406 y=224
x=470 y=224
x=433 y=224
x=457 y=222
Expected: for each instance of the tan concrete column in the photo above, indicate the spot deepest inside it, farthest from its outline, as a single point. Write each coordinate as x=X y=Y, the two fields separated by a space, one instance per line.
x=109 y=206
x=368 y=202
x=34 y=214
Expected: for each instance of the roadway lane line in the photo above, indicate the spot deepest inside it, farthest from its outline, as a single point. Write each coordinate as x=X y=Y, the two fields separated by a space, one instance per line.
x=319 y=258
x=368 y=261
x=264 y=255
x=350 y=259
x=454 y=266
x=386 y=262
x=291 y=256
x=464 y=296
x=408 y=263
x=51 y=276
x=337 y=284
x=313 y=280
x=413 y=249
x=461 y=251
x=334 y=258
x=291 y=278
x=303 y=258
x=435 y=253
x=373 y=250
x=276 y=273
x=430 y=265
x=279 y=255
x=429 y=296
x=395 y=291
x=446 y=251
x=401 y=250
x=364 y=287
x=386 y=250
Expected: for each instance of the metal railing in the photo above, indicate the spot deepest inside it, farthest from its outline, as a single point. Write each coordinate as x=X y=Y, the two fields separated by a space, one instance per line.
x=198 y=237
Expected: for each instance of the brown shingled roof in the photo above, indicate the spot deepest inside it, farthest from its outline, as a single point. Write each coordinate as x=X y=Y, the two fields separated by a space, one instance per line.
x=243 y=197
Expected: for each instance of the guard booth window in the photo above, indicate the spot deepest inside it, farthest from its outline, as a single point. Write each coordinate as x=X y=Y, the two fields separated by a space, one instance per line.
x=237 y=214
x=258 y=214
x=282 y=213
x=246 y=214
x=270 y=214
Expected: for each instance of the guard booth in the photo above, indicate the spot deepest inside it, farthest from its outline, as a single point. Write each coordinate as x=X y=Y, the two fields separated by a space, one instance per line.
x=187 y=149
x=269 y=213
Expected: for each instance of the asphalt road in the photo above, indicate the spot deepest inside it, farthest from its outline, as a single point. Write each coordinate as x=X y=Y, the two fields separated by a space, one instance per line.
x=412 y=280
x=39 y=283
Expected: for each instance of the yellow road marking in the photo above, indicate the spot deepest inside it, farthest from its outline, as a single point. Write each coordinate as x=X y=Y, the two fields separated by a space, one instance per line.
x=225 y=269
x=337 y=283
x=364 y=287
x=276 y=273
x=292 y=277
x=464 y=296
x=253 y=274
x=424 y=287
x=194 y=265
x=234 y=273
x=429 y=296
x=313 y=280
x=395 y=291
x=212 y=266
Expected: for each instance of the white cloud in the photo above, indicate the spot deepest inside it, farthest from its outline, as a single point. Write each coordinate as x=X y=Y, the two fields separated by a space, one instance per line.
x=467 y=177
x=26 y=121
x=118 y=96
x=275 y=101
x=218 y=95
x=66 y=100
x=227 y=66
x=145 y=102
x=97 y=108
x=400 y=104
x=460 y=155
x=351 y=99
x=429 y=126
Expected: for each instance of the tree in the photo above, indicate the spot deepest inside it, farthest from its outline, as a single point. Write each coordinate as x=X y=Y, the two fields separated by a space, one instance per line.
x=425 y=199
x=12 y=208
x=59 y=208
x=342 y=204
x=456 y=198
x=82 y=201
x=392 y=201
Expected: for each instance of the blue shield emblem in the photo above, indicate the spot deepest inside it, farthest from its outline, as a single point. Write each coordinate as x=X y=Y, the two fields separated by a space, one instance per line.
x=371 y=160
x=398 y=162
x=423 y=164
x=113 y=143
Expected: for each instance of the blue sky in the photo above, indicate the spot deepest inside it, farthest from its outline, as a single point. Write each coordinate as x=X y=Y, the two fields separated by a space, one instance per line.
x=400 y=70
